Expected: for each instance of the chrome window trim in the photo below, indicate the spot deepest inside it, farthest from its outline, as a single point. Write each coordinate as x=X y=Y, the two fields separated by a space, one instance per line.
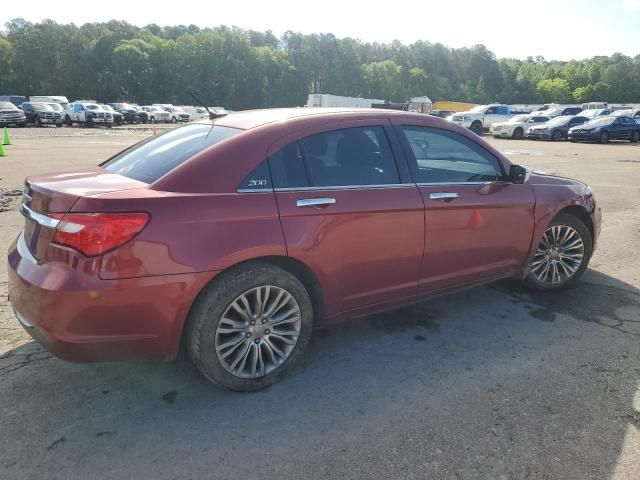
x=39 y=218
x=344 y=187
x=428 y=184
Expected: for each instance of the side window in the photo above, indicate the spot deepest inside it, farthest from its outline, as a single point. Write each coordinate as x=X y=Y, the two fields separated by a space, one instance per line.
x=503 y=110
x=442 y=156
x=352 y=156
x=491 y=111
x=258 y=179
x=540 y=119
x=287 y=168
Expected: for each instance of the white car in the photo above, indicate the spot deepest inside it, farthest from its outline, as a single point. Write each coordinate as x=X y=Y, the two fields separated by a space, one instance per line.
x=87 y=114
x=517 y=126
x=157 y=114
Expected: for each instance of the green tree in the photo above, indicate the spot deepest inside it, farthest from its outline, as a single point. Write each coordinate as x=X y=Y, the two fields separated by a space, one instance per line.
x=554 y=90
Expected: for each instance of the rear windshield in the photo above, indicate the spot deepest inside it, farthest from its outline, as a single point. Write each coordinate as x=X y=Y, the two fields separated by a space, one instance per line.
x=151 y=159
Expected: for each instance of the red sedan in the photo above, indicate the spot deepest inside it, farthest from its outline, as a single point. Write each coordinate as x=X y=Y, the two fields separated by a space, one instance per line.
x=235 y=237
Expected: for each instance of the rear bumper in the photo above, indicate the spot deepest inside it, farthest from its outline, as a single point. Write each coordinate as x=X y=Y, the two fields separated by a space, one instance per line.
x=80 y=317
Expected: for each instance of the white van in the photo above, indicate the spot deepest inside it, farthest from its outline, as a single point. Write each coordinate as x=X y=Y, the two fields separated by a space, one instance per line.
x=63 y=101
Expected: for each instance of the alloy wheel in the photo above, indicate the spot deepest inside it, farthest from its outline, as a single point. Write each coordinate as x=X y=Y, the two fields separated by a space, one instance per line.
x=559 y=255
x=258 y=332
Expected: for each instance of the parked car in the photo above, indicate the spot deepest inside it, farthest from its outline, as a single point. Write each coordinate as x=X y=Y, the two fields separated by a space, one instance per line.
x=118 y=118
x=87 y=114
x=128 y=112
x=56 y=107
x=482 y=117
x=58 y=99
x=157 y=114
x=559 y=111
x=143 y=117
x=442 y=113
x=10 y=115
x=177 y=114
x=633 y=113
x=555 y=129
x=235 y=237
x=40 y=114
x=596 y=112
x=603 y=129
x=517 y=126
x=17 y=100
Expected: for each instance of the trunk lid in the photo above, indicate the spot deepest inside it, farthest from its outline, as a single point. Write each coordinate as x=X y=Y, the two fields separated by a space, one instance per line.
x=49 y=194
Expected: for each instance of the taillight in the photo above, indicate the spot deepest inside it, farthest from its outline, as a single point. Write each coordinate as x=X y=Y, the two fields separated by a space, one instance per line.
x=97 y=233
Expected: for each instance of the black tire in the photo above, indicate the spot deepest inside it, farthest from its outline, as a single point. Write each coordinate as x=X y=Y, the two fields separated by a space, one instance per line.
x=67 y=121
x=476 y=127
x=604 y=137
x=517 y=134
x=635 y=136
x=109 y=125
x=565 y=219
x=556 y=136
x=213 y=301
x=38 y=122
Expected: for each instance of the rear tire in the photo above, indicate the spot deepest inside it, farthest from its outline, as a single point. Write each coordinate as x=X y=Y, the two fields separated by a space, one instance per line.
x=565 y=247
x=556 y=136
x=248 y=362
x=604 y=137
x=635 y=137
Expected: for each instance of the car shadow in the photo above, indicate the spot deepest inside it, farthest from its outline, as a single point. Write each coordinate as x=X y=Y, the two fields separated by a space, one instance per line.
x=494 y=382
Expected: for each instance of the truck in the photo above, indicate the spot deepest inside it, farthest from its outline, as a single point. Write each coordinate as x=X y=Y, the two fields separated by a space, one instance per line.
x=87 y=114
x=17 y=100
x=327 y=100
x=60 y=100
x=482 y=117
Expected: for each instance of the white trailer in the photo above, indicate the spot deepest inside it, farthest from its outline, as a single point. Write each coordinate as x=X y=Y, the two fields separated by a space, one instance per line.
x=326 y=100
x=60 y=100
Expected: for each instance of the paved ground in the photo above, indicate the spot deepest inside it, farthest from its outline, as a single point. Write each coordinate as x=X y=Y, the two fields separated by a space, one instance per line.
x=494 y=383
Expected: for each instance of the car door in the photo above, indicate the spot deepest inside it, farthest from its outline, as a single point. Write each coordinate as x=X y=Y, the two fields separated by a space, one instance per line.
x=350 y=212
x=478 y=225
x=491 y=116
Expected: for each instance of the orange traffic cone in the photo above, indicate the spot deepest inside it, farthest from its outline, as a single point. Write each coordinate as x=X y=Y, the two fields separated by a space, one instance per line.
x=154 y=131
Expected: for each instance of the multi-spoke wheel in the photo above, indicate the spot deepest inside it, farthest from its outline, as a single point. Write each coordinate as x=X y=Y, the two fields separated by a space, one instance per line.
x=562 y=255
x=249 y=326
x=258 y=331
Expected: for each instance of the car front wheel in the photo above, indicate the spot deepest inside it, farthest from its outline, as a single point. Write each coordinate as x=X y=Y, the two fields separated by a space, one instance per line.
x=250 y=326
x=562 y=255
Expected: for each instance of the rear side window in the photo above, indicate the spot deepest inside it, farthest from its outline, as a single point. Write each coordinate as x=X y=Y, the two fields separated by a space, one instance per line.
x=287 y=168
x=151 y=159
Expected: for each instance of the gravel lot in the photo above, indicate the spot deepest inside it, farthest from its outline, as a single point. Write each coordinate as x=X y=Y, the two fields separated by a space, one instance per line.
x=494 y=383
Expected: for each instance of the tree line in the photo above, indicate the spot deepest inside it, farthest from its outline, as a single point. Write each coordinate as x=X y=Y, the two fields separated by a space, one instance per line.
x=241 y=69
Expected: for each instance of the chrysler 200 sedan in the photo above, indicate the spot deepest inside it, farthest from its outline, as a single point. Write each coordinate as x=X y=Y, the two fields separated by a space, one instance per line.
x=232 y=238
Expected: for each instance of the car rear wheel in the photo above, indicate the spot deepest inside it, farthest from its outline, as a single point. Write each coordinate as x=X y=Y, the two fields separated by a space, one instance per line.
x=635 y=136
x=562 y=255
x=604 y=137
x=250 y=326
x=557 y=136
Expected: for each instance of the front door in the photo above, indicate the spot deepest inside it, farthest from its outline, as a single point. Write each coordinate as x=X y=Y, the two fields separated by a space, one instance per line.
x=348 y=213
x=478 y=225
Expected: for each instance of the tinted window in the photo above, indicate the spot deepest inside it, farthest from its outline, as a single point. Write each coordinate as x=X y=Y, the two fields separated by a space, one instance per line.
x=539 y=119
x=491 y=110
x=258 y=179
x=353 y=156
x=287 y=168
x=442 y=156
x=151 y=159
x=503 y=110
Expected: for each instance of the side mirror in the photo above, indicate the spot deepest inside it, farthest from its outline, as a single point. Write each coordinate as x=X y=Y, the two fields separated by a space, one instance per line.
x=517 y=174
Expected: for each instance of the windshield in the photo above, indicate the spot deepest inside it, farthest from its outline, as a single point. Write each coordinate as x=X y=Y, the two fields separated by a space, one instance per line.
x=8 y=105
x=119 y=105
x=600 y=121
x=152 y=158
x=41 y=107
x=107 y=108
x=155 y=109
x=478 y=109
x=55 y=106
x=558 y=121
x=91 y=106
x=519 y=118
x=554 y=111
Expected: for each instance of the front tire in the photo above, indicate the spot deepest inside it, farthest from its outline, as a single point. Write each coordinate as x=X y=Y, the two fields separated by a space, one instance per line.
x=250 y=326
x=476 y=127
x=517 y=134
x=562 y=255
x=556 y=136
x=604 y=137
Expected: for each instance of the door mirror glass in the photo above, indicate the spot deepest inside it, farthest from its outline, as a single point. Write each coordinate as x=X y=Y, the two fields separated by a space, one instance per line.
x=517 y=174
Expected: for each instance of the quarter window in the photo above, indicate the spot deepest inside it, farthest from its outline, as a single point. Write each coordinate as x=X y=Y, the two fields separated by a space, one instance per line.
x=352 y=156
x=442 y=156
x=287 y=168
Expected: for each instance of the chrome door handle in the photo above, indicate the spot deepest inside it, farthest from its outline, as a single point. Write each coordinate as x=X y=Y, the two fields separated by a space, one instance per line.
x=443 y=195
x=315 y=202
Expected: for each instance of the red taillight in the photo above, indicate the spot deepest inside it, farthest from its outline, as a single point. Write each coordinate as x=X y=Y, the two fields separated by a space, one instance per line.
x=97 y=233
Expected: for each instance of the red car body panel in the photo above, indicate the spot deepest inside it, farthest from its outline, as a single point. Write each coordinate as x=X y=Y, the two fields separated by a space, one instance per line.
x=375 y=248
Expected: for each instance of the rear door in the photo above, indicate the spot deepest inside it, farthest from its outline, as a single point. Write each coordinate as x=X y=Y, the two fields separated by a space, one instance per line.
x=478 y=225
x=350 y=211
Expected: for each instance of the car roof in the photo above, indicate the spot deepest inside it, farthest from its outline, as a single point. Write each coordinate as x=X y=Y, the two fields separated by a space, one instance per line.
x=249 y=119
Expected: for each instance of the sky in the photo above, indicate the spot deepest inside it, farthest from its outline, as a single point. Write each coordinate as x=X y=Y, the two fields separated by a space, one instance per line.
x=554 y=29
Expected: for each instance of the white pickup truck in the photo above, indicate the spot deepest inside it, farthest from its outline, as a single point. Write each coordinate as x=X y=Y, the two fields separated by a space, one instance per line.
x=87 y=114
x=481 y=117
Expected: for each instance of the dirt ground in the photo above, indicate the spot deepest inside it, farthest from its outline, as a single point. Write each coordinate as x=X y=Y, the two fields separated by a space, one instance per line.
x=494 y=383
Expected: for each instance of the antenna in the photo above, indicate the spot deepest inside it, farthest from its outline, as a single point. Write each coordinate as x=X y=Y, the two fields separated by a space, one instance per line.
x=212 y=116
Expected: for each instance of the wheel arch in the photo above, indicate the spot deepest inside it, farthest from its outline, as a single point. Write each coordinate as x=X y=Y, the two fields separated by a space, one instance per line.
x=581 y=214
